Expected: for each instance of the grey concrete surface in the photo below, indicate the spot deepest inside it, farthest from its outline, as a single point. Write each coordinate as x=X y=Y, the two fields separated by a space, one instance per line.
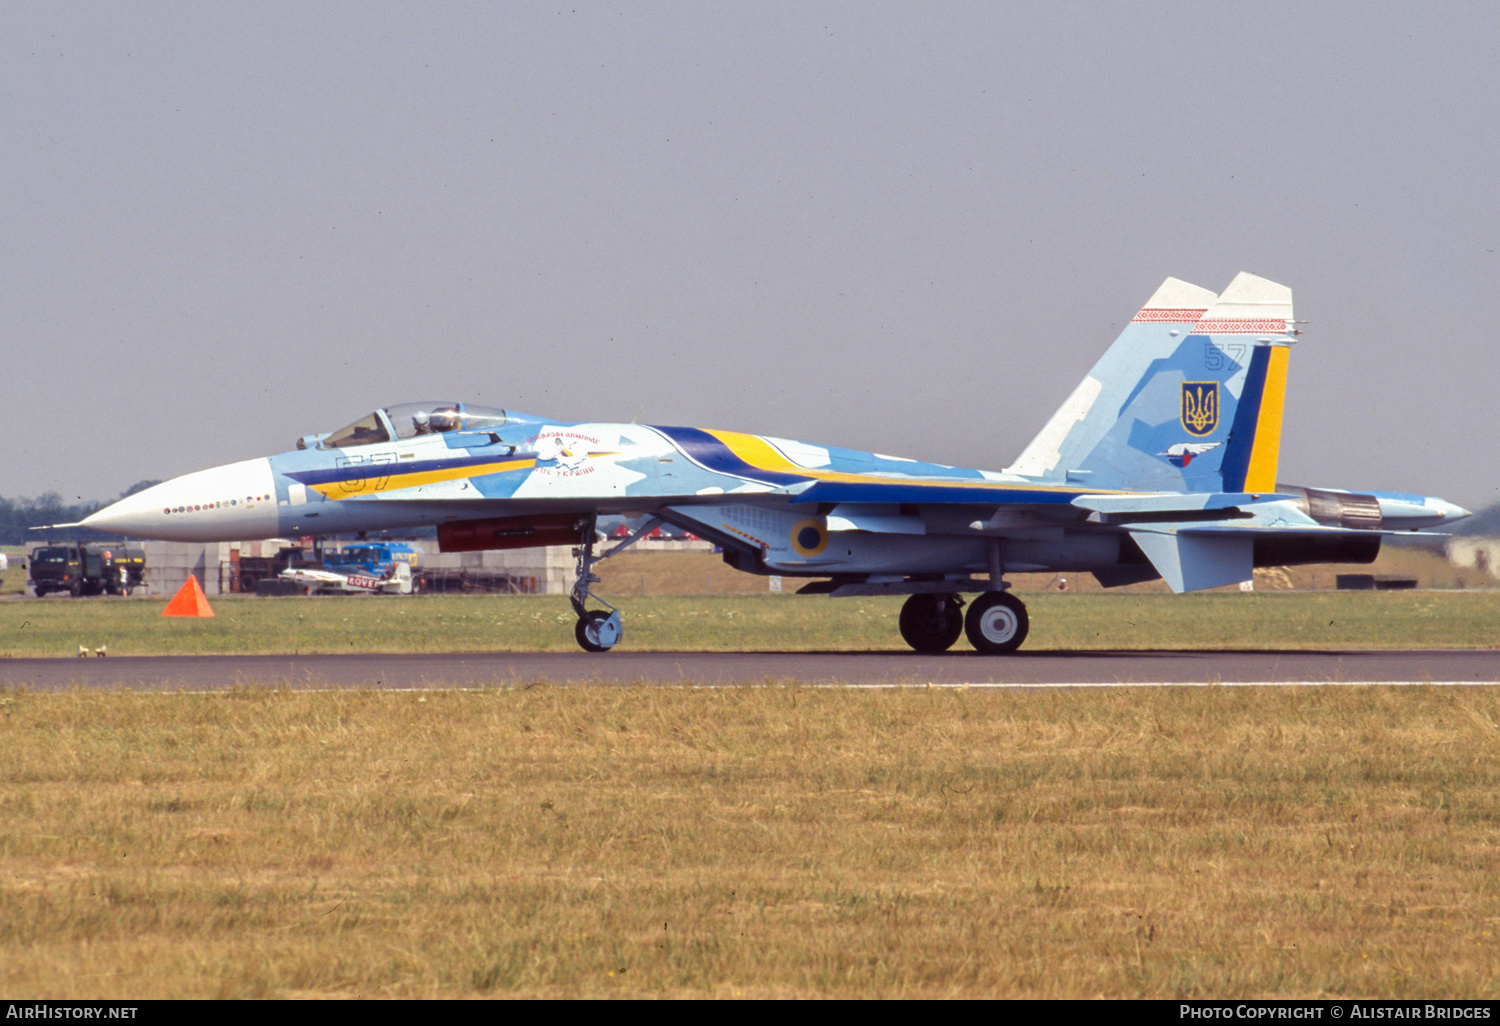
x=509 y=669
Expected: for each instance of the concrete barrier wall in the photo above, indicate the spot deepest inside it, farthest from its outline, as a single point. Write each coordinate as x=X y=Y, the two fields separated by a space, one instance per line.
x=169 y=563
x=551 y=566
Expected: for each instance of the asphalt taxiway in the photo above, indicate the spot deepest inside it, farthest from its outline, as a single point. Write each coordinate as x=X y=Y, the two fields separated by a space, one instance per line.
x=851 y=669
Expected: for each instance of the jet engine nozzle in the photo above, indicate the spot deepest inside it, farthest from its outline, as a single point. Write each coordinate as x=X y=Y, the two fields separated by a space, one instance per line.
x=1380 y=511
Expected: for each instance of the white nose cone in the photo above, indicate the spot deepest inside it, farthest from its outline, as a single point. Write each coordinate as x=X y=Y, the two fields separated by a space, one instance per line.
x=230 y=503
x=1451 y=512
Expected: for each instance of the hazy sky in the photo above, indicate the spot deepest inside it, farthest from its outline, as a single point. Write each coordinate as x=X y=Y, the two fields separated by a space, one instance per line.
x=906 y=227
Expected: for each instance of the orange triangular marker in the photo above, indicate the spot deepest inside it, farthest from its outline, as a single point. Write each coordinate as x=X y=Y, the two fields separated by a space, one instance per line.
x=189 y=600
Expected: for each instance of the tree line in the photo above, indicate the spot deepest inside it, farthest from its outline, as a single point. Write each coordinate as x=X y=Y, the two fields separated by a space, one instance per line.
x=16 y=515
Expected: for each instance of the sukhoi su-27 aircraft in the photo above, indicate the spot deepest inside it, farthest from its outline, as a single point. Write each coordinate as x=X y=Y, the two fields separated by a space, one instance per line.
x=1162 y=463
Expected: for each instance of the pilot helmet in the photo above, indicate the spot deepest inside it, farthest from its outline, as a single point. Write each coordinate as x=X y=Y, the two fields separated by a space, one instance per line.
x=419 y=421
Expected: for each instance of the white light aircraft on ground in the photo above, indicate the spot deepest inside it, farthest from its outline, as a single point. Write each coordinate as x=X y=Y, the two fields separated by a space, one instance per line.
x=397 y=582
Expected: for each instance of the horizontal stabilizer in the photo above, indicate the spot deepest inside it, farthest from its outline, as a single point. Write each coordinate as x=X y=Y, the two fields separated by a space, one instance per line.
x=1192 y=562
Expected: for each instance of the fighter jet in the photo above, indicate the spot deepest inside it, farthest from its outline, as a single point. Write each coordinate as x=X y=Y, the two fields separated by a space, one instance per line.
x=1161 y=464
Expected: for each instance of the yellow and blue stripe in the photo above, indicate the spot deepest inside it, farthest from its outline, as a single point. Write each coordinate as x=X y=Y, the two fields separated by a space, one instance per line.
x=752 y=458
x=367 y=477
x=1254 y=449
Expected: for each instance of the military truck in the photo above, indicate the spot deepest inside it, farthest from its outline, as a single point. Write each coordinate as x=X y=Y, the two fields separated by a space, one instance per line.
x=95 y=568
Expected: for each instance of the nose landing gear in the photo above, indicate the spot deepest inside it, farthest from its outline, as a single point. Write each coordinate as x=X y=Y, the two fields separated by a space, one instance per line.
x=598 y=630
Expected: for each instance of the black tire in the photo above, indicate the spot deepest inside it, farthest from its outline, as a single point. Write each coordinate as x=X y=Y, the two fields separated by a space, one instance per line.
x=997 y=623
x=928 y=625
x=76 y=589
x=580 y=630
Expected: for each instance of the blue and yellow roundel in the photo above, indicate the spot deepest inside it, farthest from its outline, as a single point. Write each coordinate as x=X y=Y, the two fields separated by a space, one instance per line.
x=1200 y=407
x=809 y=537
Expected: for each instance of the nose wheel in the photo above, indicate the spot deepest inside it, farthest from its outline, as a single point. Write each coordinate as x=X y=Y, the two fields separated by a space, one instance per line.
x=598 y=631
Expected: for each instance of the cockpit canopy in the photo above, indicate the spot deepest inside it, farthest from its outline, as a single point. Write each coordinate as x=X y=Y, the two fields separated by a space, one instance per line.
x=408 y=420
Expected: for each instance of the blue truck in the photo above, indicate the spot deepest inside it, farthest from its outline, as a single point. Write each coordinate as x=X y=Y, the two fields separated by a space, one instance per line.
x=372 y=559
x=368 y=568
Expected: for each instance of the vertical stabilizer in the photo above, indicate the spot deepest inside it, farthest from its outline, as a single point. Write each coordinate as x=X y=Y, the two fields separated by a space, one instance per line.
x=1193 y=407
x=1089 y=413
x=1259 y=312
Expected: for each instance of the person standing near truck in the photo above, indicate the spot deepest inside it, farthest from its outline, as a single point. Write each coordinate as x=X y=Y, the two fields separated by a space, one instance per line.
x=87 y=569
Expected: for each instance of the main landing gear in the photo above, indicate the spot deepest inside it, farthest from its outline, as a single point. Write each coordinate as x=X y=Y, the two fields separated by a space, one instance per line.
x=995 y=623
x=598 y=630
x=932 y=623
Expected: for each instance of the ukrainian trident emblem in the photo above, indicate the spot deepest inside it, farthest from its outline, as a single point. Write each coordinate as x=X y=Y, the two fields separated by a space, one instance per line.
x=1200 y=407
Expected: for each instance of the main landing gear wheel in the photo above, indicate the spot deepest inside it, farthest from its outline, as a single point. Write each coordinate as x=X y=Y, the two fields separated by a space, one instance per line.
x=598 y=631
x=997 y=623
x=931 y=623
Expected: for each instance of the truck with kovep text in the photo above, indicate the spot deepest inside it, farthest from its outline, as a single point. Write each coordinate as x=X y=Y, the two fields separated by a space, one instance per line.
x=95 y=568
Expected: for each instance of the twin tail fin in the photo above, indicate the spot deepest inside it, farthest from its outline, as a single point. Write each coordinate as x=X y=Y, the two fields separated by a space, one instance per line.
x=1189 y=398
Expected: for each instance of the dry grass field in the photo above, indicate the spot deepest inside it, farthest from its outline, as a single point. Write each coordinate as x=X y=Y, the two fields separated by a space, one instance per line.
x=782 y=841
x=772 y=842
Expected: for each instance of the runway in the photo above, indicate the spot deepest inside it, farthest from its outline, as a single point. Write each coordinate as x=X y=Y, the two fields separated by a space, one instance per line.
x=850 y=669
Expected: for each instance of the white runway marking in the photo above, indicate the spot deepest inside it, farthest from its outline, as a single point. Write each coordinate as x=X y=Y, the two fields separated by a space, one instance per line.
x=937 y=685
x=1178 y=684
